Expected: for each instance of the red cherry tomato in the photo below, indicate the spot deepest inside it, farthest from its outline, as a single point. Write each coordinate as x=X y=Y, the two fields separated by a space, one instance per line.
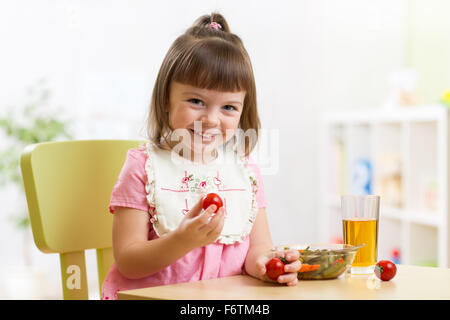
x=212 y=198
x=274 y=268
x=385 y=270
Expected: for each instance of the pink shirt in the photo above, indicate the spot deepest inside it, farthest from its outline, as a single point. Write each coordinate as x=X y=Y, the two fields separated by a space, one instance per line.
x=213 y=261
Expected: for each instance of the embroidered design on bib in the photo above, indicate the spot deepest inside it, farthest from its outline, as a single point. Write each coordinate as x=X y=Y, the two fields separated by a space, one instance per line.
x=172 y=190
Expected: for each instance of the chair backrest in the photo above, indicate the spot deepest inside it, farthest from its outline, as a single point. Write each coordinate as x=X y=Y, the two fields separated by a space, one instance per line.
x=68 y=187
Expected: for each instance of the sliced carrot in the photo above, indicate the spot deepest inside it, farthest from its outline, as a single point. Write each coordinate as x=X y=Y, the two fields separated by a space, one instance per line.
x=304 y=268
x=308 y=267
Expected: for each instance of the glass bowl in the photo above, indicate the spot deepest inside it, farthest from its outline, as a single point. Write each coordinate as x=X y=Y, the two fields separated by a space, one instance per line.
x=323 y=261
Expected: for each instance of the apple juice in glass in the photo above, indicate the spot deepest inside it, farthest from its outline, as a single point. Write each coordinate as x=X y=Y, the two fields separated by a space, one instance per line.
x=360 y=215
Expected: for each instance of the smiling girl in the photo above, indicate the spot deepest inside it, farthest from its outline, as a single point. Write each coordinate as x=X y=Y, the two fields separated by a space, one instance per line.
x=204 y=97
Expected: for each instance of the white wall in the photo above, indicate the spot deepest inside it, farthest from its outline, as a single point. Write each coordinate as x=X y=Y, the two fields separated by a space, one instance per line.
x=101 y=57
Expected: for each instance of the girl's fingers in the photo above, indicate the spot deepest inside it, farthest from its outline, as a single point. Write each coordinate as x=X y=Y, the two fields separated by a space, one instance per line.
x=293 y=267
x=275 y=254
x=293 y=282
x=288 y=278
x=204 y=217
x=291 y=255
x=262 y=270
x=196 y=209
x=261 y=265
x=213 y=223
x=220 y=221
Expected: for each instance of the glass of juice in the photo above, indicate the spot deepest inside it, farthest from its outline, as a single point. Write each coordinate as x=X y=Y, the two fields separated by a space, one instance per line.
x=360 y=215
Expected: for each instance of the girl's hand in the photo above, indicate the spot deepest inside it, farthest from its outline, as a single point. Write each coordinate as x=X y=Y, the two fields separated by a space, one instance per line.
x=290 y=269
x=199 y=229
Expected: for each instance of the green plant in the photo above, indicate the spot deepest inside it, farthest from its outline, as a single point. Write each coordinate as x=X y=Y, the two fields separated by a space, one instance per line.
x=30 y=124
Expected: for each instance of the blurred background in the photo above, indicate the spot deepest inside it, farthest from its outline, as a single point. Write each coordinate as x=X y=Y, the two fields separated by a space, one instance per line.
x=85 y=70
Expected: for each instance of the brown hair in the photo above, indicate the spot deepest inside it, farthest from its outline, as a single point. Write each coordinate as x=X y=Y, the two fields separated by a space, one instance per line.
x=207 y=58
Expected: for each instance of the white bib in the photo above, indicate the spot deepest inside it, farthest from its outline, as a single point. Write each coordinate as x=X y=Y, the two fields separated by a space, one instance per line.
x=174 y=187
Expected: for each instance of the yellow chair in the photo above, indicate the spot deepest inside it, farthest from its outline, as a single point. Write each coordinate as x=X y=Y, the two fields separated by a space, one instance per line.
x=68 y=187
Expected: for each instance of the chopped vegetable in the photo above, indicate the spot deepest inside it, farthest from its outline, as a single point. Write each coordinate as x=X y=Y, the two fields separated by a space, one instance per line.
x=323 y=263
x=307 y=267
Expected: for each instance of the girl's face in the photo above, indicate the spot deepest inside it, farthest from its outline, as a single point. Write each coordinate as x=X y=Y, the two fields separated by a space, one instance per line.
x=208 y=118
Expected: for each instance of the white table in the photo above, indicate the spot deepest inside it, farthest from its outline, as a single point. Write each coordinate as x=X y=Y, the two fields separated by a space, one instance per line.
x=410 y=282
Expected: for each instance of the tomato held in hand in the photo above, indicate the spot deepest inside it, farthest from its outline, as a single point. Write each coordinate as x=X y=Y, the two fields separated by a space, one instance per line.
x=212 y=198
x=385 y=270
x=274 y=268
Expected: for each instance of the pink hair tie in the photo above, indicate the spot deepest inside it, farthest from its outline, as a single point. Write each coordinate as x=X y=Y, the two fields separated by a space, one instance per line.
x=215 y=25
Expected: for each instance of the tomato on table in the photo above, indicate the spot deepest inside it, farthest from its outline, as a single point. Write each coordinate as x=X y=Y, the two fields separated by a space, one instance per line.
x=385 y=270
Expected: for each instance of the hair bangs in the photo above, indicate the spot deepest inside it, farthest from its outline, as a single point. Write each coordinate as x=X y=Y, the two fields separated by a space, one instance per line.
x=215 y=65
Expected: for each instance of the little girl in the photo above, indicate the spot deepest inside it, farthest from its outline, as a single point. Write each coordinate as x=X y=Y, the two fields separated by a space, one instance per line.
x=204 y=94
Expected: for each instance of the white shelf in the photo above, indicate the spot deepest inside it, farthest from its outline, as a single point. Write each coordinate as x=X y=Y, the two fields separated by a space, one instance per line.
x=400 y=115
x=415 y=141
x=428 y=218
